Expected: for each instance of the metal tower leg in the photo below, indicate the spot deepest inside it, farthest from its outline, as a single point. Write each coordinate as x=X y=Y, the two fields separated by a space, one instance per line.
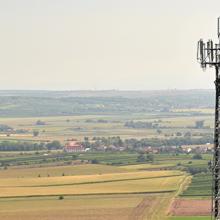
x=216 y=156
x=208 y=54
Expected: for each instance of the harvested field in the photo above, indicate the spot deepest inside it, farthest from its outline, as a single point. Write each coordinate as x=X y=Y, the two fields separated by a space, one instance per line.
x=58 y=171
x=107 y=214
x=140 y=182
x=139 y=211
x=88 y=208
x=87 y=192
x=87 y=179
x=191 y=207
x=117 y=207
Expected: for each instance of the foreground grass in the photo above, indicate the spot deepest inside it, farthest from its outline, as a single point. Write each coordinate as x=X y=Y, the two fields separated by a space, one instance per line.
x=191 y=218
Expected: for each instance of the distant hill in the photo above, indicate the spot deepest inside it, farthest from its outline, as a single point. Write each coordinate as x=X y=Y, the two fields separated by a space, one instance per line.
x=46 y=103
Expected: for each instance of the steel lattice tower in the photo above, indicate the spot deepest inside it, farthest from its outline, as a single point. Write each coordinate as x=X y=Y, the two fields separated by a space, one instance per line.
x=208 y=54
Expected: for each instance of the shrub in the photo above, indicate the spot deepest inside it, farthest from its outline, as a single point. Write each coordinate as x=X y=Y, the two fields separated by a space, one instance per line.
x=197 y=157
x=195 y=170
x=94 y=161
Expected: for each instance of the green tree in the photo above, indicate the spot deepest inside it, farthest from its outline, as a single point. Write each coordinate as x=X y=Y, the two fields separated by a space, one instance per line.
x=94 y=161
x=141 y=157
x=159 y=131
x=61 y=197
x=150 y=158
x=188 y=134
x=199 y=124
x=36 y=133
x=197 y=157
x=178 y=134
x=53 y=145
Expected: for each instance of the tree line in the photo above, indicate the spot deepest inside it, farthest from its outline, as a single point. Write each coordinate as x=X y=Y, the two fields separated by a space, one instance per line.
x=29 y=146
x=133 y=144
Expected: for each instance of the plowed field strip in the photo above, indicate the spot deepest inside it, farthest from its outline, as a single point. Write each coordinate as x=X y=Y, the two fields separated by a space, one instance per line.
x=138 y=212
x=191 y=207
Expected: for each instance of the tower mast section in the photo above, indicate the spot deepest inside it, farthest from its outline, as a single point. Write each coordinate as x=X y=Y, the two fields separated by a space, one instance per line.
x=208 y=54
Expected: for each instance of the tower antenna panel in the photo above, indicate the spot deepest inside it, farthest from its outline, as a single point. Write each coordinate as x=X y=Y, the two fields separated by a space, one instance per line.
x=201 y=53
x=218 y=30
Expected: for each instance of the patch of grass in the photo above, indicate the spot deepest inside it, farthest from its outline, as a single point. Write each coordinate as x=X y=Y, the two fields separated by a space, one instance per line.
x=191 y=218
x=57 y=171
x=200 y=186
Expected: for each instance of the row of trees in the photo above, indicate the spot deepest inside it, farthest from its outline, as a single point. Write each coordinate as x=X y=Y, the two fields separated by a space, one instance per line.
x=154 y=125
x=141 y=124
x=142 y=157
x=132 y=144
x=28 y=146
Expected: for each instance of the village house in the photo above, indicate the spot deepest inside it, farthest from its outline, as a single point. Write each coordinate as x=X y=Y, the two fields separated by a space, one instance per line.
x=151 y=150
x=202 y=148
x=73 y=146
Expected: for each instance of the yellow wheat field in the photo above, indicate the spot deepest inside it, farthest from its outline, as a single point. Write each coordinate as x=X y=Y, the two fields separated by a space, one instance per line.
x=139 y=182
x=103 y=192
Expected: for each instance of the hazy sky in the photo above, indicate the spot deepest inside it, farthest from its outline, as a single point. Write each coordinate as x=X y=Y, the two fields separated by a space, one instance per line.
x=104 y=44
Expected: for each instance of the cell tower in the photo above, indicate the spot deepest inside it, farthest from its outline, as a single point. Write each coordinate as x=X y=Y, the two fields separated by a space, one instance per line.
x=208 y=54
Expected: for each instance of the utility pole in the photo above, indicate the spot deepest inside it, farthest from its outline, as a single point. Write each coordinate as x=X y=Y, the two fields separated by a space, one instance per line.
x=208 y=54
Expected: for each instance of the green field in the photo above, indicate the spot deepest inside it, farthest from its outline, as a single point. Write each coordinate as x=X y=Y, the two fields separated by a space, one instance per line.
x=199 y=187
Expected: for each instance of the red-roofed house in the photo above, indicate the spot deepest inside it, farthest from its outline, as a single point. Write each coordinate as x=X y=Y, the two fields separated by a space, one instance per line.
x=74 y=146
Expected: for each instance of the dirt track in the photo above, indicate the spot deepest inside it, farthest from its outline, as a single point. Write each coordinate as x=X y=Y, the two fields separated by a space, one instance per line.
x=190 y=207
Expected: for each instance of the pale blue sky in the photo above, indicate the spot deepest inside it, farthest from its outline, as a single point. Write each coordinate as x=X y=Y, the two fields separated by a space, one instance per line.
x=104 y=44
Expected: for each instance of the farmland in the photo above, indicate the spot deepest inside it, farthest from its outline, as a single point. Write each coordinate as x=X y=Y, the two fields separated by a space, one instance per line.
x=195 y=199
x=96 y=114
x=144 y=190
x=99 y=184
x=64 y=127
x=88 y=207
x=95 y=193
x=200 y=187
x=42 y=183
